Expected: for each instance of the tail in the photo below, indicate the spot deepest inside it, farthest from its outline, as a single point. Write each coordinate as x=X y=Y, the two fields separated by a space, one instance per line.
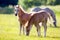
x=49 y=16
x=49 y=19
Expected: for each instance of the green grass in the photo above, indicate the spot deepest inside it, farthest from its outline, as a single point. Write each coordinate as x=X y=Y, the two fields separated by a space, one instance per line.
x=9 y=29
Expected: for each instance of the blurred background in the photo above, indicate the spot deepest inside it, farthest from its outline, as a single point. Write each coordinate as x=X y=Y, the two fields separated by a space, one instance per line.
x=6 y=6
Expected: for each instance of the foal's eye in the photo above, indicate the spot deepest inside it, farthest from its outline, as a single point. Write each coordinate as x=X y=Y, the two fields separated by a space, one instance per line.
x=15 y=10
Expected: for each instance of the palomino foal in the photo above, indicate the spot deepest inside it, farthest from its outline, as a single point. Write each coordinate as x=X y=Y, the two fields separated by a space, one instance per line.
x=23 y=17
x=38 y=17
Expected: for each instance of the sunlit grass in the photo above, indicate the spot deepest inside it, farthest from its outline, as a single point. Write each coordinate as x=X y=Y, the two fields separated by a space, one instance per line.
x=9 y=30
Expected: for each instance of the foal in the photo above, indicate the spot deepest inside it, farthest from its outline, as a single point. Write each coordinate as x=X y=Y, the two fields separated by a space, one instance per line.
x=23 y=17
x=51 y=12
x=36 y=19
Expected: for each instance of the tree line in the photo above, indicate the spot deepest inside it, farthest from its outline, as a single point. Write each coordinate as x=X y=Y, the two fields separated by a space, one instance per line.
x=4 y=3
x=30 y=3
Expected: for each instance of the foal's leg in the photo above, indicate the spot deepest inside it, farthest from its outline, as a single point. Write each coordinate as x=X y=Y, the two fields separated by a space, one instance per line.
x=28 y=28
x=20 y=28
x=38 y=29
x=24 y=27
x=45 y=29
x=24 y=30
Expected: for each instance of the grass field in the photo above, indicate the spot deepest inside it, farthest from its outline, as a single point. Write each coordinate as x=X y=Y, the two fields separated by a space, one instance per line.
x=9 y=29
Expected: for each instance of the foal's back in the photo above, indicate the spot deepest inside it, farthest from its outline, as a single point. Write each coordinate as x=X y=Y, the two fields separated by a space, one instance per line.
x=39 y=17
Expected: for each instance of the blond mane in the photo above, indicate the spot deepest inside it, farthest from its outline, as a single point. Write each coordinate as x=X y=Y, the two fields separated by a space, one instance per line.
x=22 y=9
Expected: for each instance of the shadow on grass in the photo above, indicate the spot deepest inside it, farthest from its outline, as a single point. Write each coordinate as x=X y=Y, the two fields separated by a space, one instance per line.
x=54 y=27
x=52 y=37
x=35 y=36
x=58 y=27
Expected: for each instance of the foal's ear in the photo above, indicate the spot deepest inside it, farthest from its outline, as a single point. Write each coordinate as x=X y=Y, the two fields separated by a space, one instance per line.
x=16 y=6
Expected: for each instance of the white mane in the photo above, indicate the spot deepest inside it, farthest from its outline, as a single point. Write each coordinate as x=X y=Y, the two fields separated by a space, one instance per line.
x=17 y=6
x=22 y=9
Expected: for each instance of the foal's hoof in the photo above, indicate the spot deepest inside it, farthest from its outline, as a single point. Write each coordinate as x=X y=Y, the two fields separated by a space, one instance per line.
x=44 y=36
x=38 y=35
x=55 y=26
x=27 y=34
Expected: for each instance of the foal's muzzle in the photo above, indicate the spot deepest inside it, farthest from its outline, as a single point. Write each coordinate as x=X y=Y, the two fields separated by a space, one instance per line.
x=55 y=24
x=15 y=14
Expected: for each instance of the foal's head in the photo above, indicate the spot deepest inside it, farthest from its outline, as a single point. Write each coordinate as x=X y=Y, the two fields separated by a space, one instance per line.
x=16 y=10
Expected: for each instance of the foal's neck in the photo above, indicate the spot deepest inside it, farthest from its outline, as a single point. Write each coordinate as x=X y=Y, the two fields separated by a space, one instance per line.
x=22 y=10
